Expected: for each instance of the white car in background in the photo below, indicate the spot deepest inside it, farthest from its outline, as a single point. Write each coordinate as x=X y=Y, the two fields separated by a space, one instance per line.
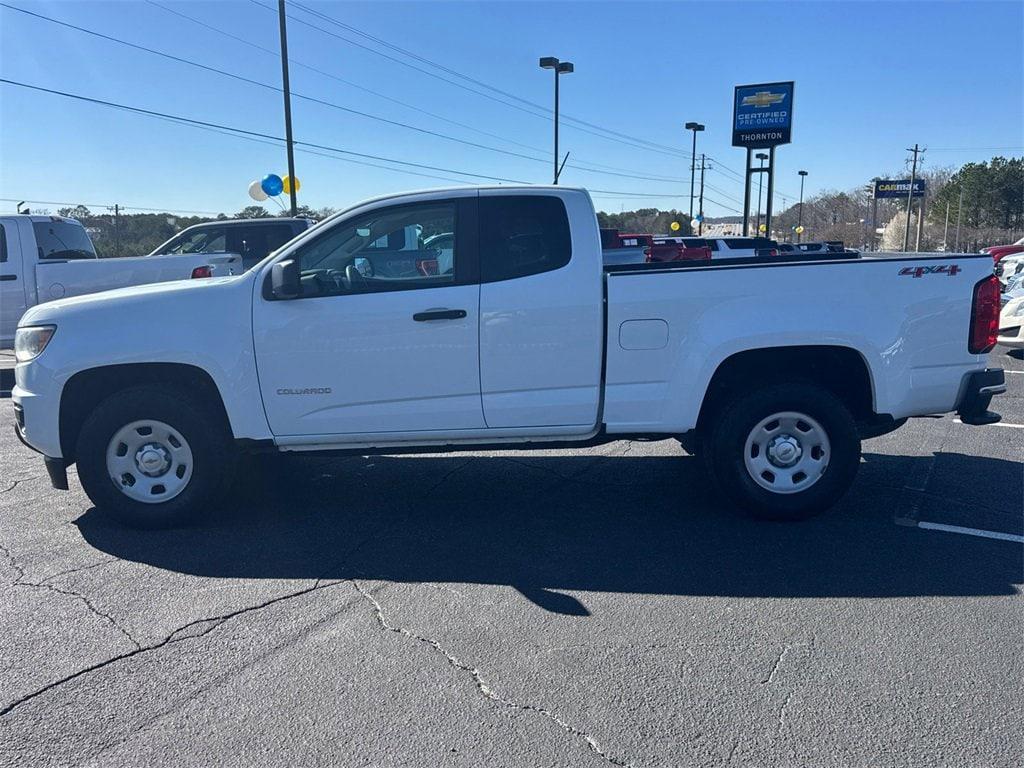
x=1011 y=318
x=1010 y=266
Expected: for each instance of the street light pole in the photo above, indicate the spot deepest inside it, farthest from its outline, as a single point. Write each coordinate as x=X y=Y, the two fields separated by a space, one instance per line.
x=700 y=225
x=287 y=109
x=800 y=210
x=693 y=159
x=559 y=68
x=760 y=182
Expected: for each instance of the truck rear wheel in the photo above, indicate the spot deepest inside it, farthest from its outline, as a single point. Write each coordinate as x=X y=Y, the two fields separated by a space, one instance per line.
x=785 y=452
x=152 y=458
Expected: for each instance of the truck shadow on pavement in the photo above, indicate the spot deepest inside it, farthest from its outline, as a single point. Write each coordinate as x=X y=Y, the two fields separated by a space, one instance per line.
x=541 y=523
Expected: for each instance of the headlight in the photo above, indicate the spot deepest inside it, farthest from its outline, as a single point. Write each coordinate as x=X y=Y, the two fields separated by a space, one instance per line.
x=30 y=341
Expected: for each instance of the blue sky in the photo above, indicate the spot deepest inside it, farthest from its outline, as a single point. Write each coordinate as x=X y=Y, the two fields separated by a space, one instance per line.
x=871 y=79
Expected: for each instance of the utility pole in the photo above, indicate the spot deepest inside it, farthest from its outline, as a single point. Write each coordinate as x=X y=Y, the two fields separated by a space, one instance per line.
x=920 y=221
x=695 y=127
x=945 y=230
x=700 y=224
x=874 y=213
x=760 y=182
x=910 y=196
x=959 y=208
x=800 y=210
x=117 y=230
x=287 y=108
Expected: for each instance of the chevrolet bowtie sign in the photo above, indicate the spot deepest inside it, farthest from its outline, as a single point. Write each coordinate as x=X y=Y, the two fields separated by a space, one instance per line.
x=762 y=115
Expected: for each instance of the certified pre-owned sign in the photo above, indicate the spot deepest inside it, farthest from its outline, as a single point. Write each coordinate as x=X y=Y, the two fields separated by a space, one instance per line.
x=762 y=115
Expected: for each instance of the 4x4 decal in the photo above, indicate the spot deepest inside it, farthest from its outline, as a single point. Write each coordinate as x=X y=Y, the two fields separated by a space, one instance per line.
x=942 y=269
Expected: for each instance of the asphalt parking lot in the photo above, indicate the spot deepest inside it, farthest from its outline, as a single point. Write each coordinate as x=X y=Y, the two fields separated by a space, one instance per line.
x=526 y=609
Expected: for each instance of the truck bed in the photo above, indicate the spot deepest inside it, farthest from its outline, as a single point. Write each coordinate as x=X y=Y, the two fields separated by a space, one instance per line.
x=671 y=325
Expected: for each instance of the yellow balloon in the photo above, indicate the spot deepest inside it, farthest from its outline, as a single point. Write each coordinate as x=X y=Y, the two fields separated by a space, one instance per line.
x=674 y=226
x=287 y=181
x=763 y=228
x=799 y=230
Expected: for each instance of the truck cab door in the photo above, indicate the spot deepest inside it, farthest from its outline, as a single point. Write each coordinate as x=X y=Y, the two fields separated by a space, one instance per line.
x=381 y=338
x=13 y=300
x=541 y=310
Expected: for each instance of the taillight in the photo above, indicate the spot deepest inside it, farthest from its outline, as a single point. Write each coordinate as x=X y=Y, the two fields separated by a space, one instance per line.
x=773 y=252
x=984 y=316
x=647 y=256
x=204 y=271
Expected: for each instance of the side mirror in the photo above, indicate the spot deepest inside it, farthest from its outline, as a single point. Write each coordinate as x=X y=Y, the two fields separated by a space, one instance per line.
x=284 y=280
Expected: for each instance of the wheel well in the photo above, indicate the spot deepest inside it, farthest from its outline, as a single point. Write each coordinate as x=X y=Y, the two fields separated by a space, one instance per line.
x=87 y=389
x=840 y=370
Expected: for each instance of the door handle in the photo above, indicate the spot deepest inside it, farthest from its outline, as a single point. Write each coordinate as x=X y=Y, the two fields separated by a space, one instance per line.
x=4 y=278
x=439 y=314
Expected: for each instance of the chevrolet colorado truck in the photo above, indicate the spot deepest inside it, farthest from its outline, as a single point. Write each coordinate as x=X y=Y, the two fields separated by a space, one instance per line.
x=772 y=370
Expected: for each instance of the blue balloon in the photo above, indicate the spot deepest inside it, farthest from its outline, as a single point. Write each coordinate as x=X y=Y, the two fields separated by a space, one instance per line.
x=272 y=184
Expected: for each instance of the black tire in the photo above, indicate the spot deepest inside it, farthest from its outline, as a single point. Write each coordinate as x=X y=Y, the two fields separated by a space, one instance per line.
x=735 y=422
x=212 y=454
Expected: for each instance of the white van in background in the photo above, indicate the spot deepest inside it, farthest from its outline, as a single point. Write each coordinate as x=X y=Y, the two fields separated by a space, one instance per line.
x=43 y=258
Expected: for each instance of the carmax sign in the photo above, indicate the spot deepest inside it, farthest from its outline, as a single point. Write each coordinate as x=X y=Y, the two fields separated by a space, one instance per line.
x=762 y=115
x=897 y=188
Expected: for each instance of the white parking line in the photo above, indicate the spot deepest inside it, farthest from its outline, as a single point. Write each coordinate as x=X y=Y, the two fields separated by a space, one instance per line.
x=1008 y=371
x=971 y=531
x=997 y=424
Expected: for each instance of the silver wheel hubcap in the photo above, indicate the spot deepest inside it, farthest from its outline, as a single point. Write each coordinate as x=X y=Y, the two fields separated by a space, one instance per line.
x=787 y=452
x=149 y=461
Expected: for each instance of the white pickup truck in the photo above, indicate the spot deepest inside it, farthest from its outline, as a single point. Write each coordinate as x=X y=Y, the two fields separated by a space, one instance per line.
x=50 y=257
x=772 y=370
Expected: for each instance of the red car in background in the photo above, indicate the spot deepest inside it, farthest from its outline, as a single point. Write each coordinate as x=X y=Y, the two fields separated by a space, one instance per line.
x=997 y=252
x=679 y=249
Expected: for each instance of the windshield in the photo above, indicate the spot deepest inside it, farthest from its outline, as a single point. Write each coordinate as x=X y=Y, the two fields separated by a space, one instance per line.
x=62 y=239
x=205 y=240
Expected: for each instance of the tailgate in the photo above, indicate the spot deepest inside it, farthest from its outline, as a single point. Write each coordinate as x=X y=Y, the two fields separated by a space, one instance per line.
x=57 y=279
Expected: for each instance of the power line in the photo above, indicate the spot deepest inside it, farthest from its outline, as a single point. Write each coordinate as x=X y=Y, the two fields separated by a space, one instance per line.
x=480 y=83
x=324 y=102
x=243 y=133
x=108 y=205
x=544 y=112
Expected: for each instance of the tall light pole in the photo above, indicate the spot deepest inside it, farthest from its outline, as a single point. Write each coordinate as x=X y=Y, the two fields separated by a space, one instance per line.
x=693 y=159
x=800 y=210
x=287 y=108
x=559 y=68
x=760 y=180
x=700 y=226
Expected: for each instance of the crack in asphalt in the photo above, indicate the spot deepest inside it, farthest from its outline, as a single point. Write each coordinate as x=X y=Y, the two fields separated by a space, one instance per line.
x=78 y=569
x=85 y=601
x=17 y=482
x=775 y=666
x=444 y=477
x=20 y=581
x=480 y=683
x=203 y=626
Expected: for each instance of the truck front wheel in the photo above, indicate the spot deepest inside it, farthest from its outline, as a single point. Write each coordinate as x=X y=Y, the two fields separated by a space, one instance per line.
x=152 y=457
x=785 y=452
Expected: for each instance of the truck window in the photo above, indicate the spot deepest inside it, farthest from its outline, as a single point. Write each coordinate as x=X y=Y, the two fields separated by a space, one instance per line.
x=522 y=235
x=62 y=239
x=3 y=243
x=397 y=248
x=204 y=240
x=256 y=242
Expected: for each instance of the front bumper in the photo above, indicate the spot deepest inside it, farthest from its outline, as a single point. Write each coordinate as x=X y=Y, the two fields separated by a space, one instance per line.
x=979 y=389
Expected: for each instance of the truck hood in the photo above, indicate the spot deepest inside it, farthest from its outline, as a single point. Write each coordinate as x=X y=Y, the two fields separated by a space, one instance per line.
x=133 y=298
